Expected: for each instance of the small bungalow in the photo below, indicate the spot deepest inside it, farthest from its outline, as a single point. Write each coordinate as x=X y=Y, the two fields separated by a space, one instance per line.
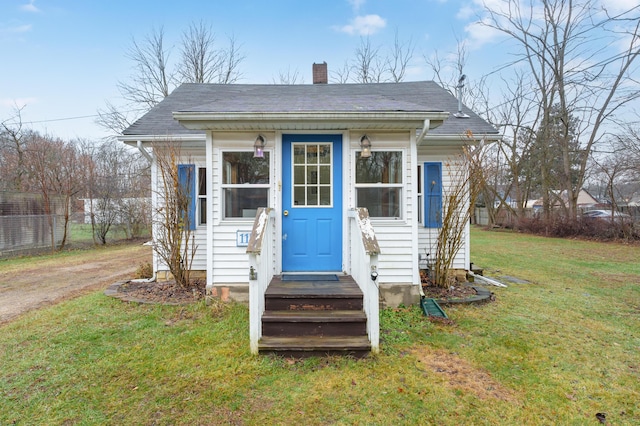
x=316 y=196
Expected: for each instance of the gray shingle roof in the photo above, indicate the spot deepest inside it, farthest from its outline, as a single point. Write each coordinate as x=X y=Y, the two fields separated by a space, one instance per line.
x=423 y=96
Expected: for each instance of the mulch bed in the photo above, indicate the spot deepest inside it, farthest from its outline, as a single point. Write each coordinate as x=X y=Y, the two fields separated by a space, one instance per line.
x=168 y=292
x=458 y=291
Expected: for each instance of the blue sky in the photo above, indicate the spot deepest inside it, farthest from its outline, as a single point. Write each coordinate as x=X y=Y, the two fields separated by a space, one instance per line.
x=63 y=58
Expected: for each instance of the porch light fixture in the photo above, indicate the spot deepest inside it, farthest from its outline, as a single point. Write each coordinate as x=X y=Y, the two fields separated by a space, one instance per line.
x=365 y=144
x=258 y=147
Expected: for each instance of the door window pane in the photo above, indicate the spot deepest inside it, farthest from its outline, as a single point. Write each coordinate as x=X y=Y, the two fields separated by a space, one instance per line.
x=312 y=174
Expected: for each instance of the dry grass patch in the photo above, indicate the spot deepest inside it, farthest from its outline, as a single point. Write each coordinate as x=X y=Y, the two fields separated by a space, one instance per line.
x=461 y=375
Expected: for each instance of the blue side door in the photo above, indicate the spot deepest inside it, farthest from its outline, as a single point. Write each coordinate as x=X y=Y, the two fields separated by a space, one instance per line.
x=311 y=203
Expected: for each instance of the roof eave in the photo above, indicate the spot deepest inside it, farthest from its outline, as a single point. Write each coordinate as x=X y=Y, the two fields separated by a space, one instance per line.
x=313 y=120
x=133 y=139
x=458 y=139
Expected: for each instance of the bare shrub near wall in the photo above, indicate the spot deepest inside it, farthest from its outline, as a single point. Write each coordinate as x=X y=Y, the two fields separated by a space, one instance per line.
x=458 y=202
x=173 y=239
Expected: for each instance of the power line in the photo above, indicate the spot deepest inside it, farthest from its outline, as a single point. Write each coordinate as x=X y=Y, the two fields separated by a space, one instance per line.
x=62 y=119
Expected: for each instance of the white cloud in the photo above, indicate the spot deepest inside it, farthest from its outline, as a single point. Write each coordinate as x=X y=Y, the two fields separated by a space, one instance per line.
x=364 y=25
x=357 y=4
x=465 y=12
x=30 y=7
x=619 y=5
x=479 y=34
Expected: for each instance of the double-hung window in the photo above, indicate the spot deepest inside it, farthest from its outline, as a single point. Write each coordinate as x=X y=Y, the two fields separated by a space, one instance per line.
x=378 y=183
x=245 y=183
x=194 y=188
x=202 y=195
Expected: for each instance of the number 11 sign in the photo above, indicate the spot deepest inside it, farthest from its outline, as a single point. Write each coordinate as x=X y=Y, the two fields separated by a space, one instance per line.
x=242 y=238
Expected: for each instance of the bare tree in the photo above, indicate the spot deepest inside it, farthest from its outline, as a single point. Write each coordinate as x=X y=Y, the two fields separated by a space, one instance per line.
x=13 y=137
x=173 y=238
x=46 y=155
x=342 y=75
x=368 y=65
x=152 y=79
x=399 y=58
x=155 y=75
x=628 y=143
x=569 y=49
x=199 y=60
x=202 y=62
x=115 y=119
x=289 y=77
x=372 y=65
x=233 y=57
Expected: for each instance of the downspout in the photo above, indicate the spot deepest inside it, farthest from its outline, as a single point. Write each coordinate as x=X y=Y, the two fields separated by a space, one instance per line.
x=423 y=132
x=419 y=139
x=144 y=152
x=146 y=155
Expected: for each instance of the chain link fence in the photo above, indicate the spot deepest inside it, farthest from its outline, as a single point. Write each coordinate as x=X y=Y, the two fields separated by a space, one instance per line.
x=26 y=233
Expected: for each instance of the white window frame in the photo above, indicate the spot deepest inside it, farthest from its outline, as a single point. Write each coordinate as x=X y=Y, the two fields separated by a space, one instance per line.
x=225 y=186
x=202 y=198
x=402 y=185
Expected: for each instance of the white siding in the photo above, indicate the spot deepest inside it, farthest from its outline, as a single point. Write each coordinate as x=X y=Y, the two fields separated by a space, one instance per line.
x=231 y=263
x=399 y=242
x=195 y=156
x=395 y=237
x=428 y=237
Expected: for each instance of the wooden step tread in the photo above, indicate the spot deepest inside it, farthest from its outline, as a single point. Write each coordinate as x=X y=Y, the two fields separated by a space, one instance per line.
x=315 y=343
x=314 y=316
x=292 y=289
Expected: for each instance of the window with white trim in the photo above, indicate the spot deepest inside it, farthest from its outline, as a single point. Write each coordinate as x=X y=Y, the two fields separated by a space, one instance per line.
x=202 y=195
x=245 y=183
x=378 y=183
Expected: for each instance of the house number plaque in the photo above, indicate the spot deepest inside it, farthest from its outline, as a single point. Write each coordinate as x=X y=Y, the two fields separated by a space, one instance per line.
x=242 y=238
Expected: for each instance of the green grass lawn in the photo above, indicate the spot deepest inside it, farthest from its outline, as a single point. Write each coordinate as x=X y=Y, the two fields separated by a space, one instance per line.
x=555 y=351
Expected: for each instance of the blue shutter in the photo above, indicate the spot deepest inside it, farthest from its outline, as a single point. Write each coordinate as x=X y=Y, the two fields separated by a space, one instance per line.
x=432 y=195
x=186 y=177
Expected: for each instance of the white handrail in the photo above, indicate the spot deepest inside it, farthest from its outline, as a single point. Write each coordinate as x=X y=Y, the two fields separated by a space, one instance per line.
x=364 y=269
x=260 y=251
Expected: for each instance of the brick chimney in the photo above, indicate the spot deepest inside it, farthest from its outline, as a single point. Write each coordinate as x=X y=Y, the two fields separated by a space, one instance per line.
x=320 y=75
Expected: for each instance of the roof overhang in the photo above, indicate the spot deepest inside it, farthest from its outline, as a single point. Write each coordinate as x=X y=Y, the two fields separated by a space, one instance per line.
x=312 y=120
x=457 y=140
x=150 y=139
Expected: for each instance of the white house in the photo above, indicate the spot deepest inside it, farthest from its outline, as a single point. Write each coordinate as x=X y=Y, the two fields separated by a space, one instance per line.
x=313 y=156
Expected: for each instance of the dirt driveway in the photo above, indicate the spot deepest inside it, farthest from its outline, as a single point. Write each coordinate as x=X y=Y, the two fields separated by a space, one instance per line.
x=45 y=281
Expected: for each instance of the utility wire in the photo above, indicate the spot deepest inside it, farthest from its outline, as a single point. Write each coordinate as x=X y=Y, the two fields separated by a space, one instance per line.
x=62 y=119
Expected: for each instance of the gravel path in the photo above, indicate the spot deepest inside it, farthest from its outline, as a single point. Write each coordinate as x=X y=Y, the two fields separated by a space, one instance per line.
x=44 y=281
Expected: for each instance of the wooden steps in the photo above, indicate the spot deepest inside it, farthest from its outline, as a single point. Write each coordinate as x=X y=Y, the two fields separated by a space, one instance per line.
x=309 y=318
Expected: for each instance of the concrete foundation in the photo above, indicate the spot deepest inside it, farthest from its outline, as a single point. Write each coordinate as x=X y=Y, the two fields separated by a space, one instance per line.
x=394 y=295
x=391 y=295
x=237 y=292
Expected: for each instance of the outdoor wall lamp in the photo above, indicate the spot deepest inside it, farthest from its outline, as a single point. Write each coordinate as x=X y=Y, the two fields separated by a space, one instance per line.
x=365 y=144
x=258 y=147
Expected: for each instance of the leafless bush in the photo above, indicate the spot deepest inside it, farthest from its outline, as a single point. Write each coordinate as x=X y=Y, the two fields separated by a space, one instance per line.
x=561 y=227
x=174 y=240
x=459 y=199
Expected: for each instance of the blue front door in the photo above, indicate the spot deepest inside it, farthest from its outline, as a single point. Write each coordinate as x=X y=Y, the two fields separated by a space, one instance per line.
x=311 y=203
